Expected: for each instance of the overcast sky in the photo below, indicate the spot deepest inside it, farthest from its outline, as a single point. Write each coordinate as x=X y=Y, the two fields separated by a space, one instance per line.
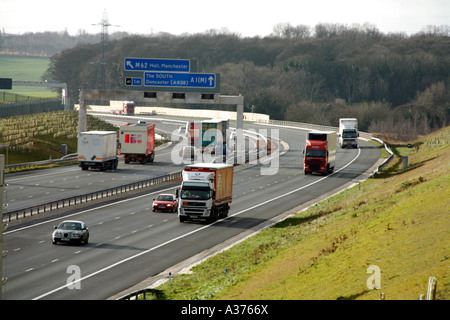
x=246 y=17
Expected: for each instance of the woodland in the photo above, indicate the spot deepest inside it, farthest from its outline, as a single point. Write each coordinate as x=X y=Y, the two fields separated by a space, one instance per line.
x=394 y=84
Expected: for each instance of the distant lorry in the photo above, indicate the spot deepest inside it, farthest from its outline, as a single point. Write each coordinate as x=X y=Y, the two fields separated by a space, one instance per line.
x=98 y=150
x=348 y=132
x=193 y=129
x=214 y=136
x=205 y=192
x=137 y=142
x=122 y=107
x=320 y=152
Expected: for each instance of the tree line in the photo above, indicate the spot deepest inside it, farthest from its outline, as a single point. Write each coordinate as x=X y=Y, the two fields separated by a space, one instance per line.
x=393 y=83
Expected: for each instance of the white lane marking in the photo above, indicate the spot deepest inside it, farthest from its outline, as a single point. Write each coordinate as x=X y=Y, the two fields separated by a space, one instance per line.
x=40 y=175
x=187 y=234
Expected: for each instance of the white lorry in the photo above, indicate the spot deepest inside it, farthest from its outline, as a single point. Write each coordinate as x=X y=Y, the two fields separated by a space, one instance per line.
x=98 y=150
x=348 y=132
x=205 y=192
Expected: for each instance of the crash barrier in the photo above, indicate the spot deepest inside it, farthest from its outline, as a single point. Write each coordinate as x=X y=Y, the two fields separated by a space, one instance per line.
x=84 y=198
x=143 y=293
x=66 y=159
x=391 y=155
x=308 y=126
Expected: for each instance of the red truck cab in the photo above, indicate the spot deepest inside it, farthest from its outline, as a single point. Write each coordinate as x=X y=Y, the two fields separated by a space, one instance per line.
x=320 y=152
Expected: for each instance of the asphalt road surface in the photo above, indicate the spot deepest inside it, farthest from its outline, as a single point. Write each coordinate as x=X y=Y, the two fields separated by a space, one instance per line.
x=129 y=243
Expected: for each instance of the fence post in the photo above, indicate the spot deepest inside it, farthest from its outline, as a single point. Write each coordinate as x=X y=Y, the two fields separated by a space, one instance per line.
x=431 y=292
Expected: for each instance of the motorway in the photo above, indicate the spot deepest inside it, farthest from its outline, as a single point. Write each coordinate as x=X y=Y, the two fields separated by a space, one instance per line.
x=129 y=243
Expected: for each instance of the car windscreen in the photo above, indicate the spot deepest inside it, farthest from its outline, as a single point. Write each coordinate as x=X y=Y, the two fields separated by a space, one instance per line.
x=164 y=198
x=70 y=226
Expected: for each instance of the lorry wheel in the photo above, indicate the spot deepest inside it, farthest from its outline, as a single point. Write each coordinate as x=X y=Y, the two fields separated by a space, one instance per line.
x=182 y=219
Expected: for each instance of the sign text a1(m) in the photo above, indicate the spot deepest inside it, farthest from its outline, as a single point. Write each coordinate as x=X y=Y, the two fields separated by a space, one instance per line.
x=181 y=80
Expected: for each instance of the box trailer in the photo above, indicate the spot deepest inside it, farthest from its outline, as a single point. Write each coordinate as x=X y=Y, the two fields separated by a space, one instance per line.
x=98 y=150
x=205 y=192
x=348 y=132
x=137 y=142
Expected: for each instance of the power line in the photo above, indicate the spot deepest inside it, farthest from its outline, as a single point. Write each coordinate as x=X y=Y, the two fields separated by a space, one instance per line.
x=102 y=74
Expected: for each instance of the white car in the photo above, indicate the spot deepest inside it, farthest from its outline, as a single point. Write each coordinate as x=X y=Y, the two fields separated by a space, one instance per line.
x=71 y=231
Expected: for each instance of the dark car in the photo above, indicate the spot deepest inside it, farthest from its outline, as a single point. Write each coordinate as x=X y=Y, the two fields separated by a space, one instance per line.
x=166 y=202
x=71 y=231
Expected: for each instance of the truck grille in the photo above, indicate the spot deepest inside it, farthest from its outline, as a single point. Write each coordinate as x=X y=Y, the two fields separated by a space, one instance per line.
x=192 y=211
x=193 y=204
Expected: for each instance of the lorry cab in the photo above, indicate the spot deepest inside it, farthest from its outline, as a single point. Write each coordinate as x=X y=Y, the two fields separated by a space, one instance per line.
x=205 y=192
x=320 y=152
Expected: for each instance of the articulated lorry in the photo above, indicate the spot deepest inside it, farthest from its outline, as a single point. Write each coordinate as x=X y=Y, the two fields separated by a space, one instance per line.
x=348 y=132
x=320 y=152
x=122 y=107
x=137 y=142
x=98 y=150
x=214 y=136
x=205 y=192
x=193 y=129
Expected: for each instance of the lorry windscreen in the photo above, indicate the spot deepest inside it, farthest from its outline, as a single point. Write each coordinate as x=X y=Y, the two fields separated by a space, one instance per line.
x=349 y=134
x=190 y=191
x=315 y=153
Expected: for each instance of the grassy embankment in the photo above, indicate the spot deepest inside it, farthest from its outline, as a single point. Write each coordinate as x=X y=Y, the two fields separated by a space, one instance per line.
x=399 y=221
x=39 y=136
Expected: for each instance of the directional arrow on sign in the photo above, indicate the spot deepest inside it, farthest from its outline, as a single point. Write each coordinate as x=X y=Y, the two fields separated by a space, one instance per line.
x=181 y=80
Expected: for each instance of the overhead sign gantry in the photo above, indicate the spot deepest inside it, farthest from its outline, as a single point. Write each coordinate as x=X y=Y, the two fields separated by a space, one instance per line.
x=166 y=81
x=153 y=75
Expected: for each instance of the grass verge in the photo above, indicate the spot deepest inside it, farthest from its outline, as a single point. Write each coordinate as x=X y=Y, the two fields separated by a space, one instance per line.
x=399 y=221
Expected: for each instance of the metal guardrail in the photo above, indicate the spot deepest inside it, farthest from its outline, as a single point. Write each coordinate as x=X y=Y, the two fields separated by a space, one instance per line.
x=135 y=295
x=144 y=292
x=308 y=126
x=84 y=198
x=391 y=155
x=67 y=158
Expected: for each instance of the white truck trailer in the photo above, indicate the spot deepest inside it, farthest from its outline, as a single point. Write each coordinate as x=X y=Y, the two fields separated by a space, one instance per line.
x=348 y=132
x=205 y=192
x=98 y=150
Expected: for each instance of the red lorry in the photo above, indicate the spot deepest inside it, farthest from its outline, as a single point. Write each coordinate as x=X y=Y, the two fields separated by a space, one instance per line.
x=137 y=142
x=122 y=107
x=320 y=152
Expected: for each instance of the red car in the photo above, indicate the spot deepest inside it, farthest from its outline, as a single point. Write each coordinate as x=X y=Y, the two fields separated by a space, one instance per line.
x=165 y=202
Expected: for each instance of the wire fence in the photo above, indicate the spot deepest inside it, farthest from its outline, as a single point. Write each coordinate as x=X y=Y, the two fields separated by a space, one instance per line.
x=12 y=104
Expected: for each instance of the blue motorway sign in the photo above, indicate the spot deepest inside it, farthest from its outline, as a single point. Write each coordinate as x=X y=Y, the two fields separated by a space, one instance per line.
x=180 y=80
x=133 y=81
x=160 y=65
